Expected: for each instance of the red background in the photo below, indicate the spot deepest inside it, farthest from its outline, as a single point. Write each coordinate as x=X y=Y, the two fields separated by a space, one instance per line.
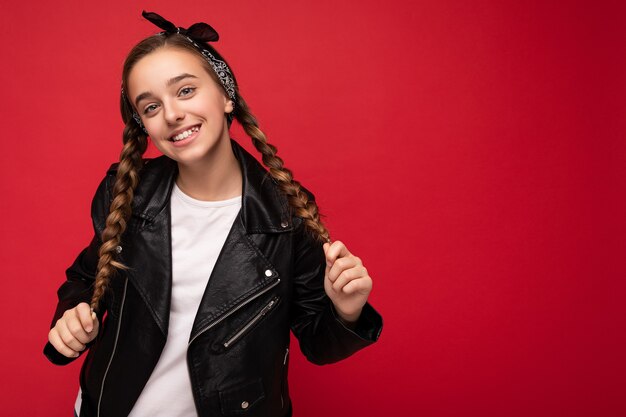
x=471 y=153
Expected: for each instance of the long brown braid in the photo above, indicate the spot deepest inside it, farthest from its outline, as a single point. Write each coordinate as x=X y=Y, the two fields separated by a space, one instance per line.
x=298 y=199
x=127 y=178
x=135 y=144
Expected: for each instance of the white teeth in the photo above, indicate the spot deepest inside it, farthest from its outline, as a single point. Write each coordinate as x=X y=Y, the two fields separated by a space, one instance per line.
x=185 y=134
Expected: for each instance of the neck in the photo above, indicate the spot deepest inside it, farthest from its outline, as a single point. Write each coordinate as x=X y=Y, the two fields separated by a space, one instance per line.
x=217 y=177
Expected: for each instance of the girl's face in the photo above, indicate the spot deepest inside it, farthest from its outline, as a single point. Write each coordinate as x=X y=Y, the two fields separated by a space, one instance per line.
x=180 y=105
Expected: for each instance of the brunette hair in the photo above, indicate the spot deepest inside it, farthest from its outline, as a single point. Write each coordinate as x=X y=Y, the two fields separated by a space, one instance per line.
x=135 y=143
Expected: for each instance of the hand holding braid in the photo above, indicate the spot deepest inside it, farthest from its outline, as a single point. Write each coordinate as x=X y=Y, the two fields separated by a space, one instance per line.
x=346 y=281
x=71 y=333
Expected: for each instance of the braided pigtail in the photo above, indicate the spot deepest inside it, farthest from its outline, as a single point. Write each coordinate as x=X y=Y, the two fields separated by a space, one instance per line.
x=298 y=199
x=135 y=144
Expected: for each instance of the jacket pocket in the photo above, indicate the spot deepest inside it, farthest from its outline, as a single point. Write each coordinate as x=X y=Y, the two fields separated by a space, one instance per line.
x=241 y=399
x=249 y=325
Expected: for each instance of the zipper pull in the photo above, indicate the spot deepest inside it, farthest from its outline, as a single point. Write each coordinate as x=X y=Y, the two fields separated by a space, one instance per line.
x=267 y=307
x=252 y=322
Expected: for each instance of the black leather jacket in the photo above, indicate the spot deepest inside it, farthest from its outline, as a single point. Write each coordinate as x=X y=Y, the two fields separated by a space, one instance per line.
x=268 y=279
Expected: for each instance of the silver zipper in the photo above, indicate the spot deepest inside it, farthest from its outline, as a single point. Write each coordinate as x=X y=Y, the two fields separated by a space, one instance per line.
x=234 y=309
x=251 y=323
x=282 y=401
x=119 y=325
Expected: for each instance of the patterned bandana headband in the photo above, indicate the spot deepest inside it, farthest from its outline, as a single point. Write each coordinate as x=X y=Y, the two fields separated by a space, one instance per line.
x=197 y=33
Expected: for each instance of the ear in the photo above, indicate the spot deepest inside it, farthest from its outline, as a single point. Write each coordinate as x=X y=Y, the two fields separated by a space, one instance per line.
x=229 y=106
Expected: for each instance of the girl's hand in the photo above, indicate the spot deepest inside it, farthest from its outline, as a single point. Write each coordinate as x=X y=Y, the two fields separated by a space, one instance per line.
x=346 y=282
x=74 y=330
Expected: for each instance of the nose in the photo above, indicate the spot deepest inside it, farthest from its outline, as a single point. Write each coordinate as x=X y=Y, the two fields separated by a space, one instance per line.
x=173 y=112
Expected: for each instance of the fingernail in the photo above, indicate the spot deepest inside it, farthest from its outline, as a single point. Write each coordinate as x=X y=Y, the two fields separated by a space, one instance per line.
x=75 y=355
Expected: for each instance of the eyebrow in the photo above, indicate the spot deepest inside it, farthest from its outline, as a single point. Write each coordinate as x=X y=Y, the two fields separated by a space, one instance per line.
x=169 y=83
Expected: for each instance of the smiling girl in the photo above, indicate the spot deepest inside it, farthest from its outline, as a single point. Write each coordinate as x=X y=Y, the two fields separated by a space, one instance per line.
x=202 y=260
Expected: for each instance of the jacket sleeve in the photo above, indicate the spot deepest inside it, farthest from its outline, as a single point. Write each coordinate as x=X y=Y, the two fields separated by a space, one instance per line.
x=80 y=276
x=323 y=338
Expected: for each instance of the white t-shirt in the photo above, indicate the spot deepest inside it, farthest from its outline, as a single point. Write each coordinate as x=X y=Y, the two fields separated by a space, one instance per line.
x=199 y=230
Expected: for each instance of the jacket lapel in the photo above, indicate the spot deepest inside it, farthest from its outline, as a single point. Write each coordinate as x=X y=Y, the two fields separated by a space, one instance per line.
x=146 y=246
x=240 y=272
x=241 y=269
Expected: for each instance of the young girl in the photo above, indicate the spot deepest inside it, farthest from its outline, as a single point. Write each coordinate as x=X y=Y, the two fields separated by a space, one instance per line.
x=202 y=260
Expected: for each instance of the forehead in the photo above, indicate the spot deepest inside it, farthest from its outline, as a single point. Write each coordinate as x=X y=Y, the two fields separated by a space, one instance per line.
x=154 y=70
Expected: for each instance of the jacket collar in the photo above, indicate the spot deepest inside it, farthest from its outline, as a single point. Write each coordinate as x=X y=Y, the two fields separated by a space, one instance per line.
x=263 y=207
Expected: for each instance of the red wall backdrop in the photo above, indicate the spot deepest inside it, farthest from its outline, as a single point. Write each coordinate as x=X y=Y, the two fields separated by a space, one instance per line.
x=472 y=153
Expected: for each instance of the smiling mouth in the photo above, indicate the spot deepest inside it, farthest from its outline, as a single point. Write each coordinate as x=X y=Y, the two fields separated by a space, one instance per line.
x=185 y=134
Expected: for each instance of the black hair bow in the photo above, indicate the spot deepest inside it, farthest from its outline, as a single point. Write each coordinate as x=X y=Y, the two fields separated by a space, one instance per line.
x=198 y=31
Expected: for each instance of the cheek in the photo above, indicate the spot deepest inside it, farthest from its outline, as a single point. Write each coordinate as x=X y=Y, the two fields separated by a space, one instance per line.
x=154 y=137
x=153 y=127
x=210 y=106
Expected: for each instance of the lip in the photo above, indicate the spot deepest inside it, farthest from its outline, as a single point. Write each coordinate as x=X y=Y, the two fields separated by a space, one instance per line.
x=188 y=139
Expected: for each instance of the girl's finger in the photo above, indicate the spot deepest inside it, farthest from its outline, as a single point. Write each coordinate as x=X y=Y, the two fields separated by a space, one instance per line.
x=356 y=285
x=75 y=327
x=341 y=265
x=325 y=246
x=67 y=337
x=336 y=250
x=55 y=340
x=83 y=312
x=347 y=276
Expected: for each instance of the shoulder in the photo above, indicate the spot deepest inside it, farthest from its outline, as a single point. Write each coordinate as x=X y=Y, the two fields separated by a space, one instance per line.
x=108 y=182
x=103 y=197
x=152 y=169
